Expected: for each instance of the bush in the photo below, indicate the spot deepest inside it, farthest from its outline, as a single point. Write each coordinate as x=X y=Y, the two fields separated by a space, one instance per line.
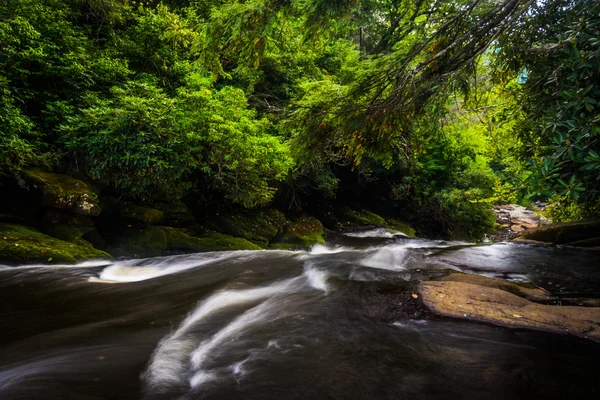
x=150 y=145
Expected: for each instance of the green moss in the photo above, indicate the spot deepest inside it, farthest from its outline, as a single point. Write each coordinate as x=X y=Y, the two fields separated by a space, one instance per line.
x=176 y=214
x=143 y=214
x=355 y=218
x=259 y=227
x=20 y=244
x=61 y=191
x=400 y=227
x=303 y=232
x=214 y=241
x=154 y=241
x=283 y=246
x=69 y=233
x=149 y=241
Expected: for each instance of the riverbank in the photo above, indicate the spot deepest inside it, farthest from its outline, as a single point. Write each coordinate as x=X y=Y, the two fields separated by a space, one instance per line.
x=53 y=218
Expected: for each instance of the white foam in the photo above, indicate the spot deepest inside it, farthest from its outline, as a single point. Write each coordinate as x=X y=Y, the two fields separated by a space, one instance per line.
x=318 y=249
x=171 y=357
x=202 y=377
x=128 y=272
x=235 y=327
x=316 y=278
x=376 y=233
x=390 y=258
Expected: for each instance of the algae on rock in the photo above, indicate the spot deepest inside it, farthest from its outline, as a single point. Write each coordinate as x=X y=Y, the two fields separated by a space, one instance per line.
x=259 y=227
x=60 y=191
x=302 y=232
x=349 y=218
x=22 y=245
x=154 y=241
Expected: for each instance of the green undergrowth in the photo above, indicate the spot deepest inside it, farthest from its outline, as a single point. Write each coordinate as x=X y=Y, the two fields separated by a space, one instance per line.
x=24 y=245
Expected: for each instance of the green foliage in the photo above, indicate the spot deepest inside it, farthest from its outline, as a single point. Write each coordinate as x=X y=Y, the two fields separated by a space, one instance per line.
x=148 y=144
x=561 y=128
x=227 y=99
x=130 y=140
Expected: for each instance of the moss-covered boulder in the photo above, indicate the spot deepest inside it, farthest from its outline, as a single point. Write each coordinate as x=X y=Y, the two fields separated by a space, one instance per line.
x=400 y=226
x=176 y=214
x=302 y=232
x=143 y=214
x=24 y=245
x=60 y=192
x=151 y=241
x=259 y=227
x=130 y=212
x=582 y=233
x=349 y=218
x=60 y=217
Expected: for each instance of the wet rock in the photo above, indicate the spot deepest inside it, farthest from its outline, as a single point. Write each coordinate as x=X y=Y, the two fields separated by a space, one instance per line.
x=302 y=232
x=59 y=192
x=259 y=227
x=527 y=291
x=583 y=233
x=143 y=214
x=585 y=302
x=24 y=245
x=591 y=242
x=349 y=218
x=492 y=305
x=151 y=241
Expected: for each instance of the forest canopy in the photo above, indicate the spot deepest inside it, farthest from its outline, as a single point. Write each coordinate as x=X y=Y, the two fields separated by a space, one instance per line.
x=439 y=108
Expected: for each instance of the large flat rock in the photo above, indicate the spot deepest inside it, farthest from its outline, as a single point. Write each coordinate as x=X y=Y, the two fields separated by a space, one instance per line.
x=500 y=307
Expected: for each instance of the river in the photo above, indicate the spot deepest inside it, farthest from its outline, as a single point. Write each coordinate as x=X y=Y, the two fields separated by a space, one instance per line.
x=335 y=322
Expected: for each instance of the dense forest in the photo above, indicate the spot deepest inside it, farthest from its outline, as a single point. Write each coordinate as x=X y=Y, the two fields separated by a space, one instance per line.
x=426 y=110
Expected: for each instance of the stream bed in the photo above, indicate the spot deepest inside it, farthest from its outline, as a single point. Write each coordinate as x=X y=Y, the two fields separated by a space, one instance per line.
x=334 y=322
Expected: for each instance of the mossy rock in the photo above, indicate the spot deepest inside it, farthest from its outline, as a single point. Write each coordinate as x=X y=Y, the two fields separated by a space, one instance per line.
x=79 y=234
x=60 y=191
x=575 y=233
x=349 y=218
x=354 y=218
x=176 y=214
x=400 y=226
x=62 y=217
x=122 y=210
x=143 y=214
x=214 y=241
x=152 y=241
x=283 y=246
x=24 y=245
x=303 y=232
x=259 y=227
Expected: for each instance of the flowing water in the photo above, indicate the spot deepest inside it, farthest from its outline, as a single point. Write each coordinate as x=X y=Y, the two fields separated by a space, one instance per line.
x=335 y=322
